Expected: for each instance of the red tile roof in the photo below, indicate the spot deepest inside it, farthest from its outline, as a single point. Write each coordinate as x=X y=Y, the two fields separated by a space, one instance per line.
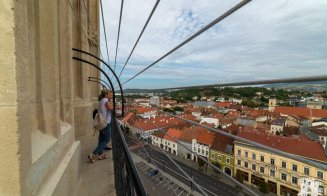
x=223 y=104
x=205 y=137
x=220 y=142
x=159 y=134
x=233 y=129
x=142 y=110
x=191 y=132
x=235 y=106
x=306 y=112
x=157 y=122
x=233 y=115
x=175 y=133
x=263 y=126
x=127 y=117
x=216 y=115
x=301 y=147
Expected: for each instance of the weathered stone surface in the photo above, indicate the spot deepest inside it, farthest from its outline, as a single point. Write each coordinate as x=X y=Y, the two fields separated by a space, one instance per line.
x=45 y=100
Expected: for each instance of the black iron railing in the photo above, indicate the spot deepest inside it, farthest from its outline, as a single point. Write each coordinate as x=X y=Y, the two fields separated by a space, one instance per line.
x=127 y=180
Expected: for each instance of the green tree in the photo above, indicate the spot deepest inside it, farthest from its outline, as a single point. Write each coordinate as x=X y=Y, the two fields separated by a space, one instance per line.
x=168 y=110
x=239 y=177
x=200 y=162
x=179 y=109
x=217 y=164
x=264 y=187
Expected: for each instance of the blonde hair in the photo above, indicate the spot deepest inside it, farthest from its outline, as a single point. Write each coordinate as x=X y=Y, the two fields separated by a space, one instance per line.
x=103 y=94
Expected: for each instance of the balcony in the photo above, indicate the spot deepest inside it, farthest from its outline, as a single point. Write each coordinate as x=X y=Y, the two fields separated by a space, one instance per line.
x=106 y=176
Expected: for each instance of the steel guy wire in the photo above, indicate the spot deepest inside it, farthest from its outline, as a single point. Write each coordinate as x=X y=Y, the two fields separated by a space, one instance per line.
x=104 y=32
x=138 y=39
x=190 y=179
x=291 y=156
x=120 y=16
x=153 y=161
x=214 y=22
x=199 y=156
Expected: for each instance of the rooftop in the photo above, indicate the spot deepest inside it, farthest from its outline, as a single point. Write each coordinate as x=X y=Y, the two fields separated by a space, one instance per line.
x=320 y=130
x=172 y=132
x=297 y=146
x=306 y=112
x=223 y=104
x=280 y=121
x=221 y=142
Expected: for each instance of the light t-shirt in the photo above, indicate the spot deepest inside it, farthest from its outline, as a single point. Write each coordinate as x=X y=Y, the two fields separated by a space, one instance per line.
x=103 y=109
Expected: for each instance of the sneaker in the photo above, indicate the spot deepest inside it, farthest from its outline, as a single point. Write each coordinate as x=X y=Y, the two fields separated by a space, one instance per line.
x=91 y=158
x=103 y=156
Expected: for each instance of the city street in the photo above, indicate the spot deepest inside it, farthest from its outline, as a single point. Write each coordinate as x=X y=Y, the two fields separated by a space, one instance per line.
x=208 y=183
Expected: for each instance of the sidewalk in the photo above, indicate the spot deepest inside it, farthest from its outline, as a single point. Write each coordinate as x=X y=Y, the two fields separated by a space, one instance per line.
x=97 y=179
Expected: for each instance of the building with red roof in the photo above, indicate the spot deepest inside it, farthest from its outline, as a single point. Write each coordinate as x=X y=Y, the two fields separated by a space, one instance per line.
x=223 y=104
x=146 y=112
x=283 y=174
x=201 y=143
x=312 y=114
x=145 y=127
x=221 y=152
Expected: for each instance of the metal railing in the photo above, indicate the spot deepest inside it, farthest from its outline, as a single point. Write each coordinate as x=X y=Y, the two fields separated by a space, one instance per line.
x=127 y=180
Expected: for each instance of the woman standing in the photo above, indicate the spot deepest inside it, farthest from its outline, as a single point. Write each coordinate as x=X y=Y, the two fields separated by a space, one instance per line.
x=105 y=108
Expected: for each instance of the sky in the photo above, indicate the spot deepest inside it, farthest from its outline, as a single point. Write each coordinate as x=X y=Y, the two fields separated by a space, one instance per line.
x=262 y=40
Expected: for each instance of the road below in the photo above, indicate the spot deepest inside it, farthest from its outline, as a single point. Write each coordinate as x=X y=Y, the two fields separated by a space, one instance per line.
x=211 y=185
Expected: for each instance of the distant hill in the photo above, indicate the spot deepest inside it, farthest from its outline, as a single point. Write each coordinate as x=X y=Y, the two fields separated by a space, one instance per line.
x=298 y=85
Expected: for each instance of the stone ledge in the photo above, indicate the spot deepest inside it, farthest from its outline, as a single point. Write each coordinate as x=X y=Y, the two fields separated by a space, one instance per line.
x=46 y=160
x=64 y=179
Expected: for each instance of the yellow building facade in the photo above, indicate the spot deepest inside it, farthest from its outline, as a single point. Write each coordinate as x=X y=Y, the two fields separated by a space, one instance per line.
x=282 y=174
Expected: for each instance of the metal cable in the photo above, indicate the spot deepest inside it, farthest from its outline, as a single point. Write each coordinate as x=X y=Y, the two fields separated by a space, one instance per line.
x=199 y=156
x=120 y=16
x=148 y=155
x=217 y=20
x=288 y=155
x=138 y=39
x=104 y=31
x=189 y=178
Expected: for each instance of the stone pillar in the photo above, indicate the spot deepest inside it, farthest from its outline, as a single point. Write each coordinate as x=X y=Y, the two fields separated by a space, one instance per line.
x=250 y=179
x=66 y=63
x=278 y=187
x=48 y=64
x=14 y=133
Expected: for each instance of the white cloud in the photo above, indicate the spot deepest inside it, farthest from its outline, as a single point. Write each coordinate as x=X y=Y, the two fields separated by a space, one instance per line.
x=263 y=40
